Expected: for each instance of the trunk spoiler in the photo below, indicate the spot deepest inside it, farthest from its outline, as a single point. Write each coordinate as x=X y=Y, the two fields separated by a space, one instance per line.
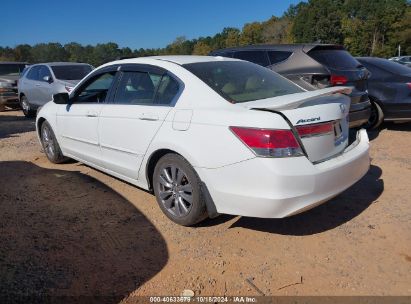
x=292 y=101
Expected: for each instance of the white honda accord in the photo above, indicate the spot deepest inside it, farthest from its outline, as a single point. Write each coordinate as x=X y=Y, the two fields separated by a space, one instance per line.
x=208 y=135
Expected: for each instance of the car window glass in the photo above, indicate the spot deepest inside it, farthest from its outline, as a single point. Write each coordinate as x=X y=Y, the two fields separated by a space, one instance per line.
x=240 y=81
x=393 y=67
x=43 y=72
x=167 y=90
x=335 y=59
x=71 y=72
x=278 y=56
x=257 y=57
x=33 y=74
x=11 y=69
x=95 y=90
x=136 y=88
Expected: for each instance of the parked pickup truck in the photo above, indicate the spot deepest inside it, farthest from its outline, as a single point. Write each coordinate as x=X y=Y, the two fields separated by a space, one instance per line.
x=9 y=74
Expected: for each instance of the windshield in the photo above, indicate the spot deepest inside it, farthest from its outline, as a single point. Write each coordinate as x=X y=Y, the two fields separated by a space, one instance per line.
x=11 y=69
x=71 y=72
x=240 y=81
x=335 y=59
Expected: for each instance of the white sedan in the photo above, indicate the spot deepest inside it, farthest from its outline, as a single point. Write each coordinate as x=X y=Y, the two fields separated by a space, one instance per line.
x=208 y=135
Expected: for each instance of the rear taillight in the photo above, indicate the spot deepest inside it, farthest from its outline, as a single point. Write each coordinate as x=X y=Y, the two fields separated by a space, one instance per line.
x=269 y=143
x=409 y=84
x=338 y=80
x=315 y=130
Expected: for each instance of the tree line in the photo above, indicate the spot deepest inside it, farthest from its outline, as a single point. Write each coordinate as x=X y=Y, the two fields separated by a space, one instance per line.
x=365 y=28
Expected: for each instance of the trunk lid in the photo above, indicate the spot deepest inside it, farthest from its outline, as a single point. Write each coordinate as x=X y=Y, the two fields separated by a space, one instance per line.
x=320 y=118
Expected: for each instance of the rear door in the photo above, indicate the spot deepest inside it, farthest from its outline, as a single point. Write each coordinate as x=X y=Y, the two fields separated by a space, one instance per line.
x=143 y=98
x=30 y=83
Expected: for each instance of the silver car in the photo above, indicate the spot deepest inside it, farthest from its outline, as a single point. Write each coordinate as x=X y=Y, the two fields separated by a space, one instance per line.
x=41 y=81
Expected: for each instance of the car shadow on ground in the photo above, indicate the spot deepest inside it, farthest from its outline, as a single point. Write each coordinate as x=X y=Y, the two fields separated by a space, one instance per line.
x=406 y=126
x=327 y=216
x=65 y=234
x=12 y=124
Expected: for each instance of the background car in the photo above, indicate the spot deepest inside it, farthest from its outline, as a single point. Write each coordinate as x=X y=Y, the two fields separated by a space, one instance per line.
x=9 y=74
x=389 y=88
x=405 y=60
x=40 y=81
x=312 y=66
x=208 y=135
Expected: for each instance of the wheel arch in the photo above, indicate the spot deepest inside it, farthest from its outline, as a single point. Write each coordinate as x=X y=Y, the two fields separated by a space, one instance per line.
x=151 y=164
x=39 y=122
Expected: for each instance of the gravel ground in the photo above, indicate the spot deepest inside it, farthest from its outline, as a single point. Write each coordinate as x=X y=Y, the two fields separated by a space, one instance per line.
x=69 y=230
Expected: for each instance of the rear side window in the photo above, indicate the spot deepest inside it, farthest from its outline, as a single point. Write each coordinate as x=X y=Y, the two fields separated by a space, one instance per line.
x=142 y=88
x=278 y=56
x=71 y=72
x=335 y=59
x=257 y=57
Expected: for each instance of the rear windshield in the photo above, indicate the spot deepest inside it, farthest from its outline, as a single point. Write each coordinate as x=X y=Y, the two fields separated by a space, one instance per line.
x=11 y=69
x=392 y=66
x=240 y=81
x=335 y=59
x=71 y=72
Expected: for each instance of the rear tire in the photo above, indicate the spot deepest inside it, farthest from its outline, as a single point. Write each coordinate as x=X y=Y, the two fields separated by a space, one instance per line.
x=50 y=144
x=376 y=116
x=26 y=107
x=178 y=190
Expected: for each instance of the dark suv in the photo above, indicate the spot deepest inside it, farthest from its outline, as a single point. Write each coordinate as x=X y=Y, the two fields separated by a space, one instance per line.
x=9 y=74
x=312 y=66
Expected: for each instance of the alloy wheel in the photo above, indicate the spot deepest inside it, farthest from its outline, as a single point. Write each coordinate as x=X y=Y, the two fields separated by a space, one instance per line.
x=175 y=190
x=48 y=142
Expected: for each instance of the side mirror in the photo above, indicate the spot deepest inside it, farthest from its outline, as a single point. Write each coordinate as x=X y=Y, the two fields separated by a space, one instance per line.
x=48 y=79
x=61 y=98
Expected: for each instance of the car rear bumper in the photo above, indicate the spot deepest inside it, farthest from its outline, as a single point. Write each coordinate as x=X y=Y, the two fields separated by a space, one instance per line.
x=9 y=98
x=276 y=188
x=359 y=114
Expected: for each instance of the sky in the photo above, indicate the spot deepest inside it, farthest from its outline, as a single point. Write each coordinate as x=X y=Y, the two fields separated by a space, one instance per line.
x=134 y=24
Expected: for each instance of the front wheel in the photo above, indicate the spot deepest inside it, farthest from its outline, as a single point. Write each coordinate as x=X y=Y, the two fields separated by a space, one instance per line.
x=50 y=144
x=376 y=116
x=177 y=188
x=26 y=107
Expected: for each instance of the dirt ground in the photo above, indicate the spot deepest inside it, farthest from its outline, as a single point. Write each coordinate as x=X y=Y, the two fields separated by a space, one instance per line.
x=71 y=230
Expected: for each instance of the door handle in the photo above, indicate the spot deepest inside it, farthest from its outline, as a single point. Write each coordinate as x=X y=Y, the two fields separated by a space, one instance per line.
x=149 y=117
x=37 y=85
x=92 y=114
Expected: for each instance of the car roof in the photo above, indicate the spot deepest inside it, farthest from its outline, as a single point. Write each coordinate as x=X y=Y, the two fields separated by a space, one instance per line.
x=286 y=47
x=177 y=59
x=13 y=62
x=60 y=63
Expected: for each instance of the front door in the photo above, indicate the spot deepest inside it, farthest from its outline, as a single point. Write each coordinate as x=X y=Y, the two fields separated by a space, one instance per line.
x=78 y=122
x=129 y=122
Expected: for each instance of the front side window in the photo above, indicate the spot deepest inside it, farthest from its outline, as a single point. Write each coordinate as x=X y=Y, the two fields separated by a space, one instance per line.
x=95 y=90
x=144 y=88
x=33 y=74
x=44 y=72
x=257 y=57
x=239 y=81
